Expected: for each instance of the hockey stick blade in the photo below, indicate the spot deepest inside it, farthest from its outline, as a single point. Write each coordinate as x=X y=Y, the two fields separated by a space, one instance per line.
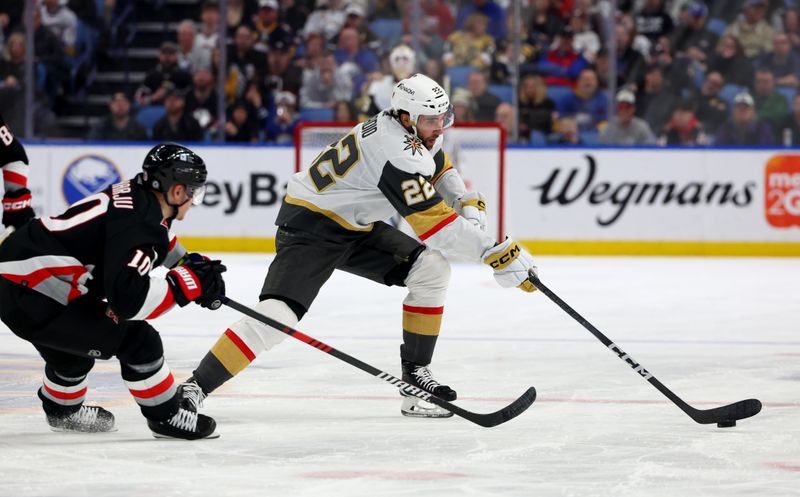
x=489 y=420
x=732 y=412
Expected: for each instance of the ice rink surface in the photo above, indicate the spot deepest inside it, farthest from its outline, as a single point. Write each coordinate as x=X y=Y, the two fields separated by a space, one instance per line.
x=301 y=423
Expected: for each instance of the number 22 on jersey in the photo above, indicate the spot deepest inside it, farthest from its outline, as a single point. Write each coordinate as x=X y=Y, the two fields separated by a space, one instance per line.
x=321 y=176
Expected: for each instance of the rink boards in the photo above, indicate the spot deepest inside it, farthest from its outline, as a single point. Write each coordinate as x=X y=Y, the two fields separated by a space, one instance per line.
x=558 y=201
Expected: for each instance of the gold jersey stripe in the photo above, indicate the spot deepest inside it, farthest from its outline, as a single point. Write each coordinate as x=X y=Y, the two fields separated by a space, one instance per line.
x=424 y=221
x=422 y=324
x=329 y=214
x=230 y=355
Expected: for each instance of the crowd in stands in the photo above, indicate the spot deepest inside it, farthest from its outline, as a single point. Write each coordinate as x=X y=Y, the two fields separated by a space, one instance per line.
x=689 y=72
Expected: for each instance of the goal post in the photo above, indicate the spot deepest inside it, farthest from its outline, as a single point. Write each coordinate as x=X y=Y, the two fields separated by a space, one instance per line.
x=476 y=149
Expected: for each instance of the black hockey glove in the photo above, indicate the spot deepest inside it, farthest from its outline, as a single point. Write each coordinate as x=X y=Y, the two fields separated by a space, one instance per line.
x=198 y=281
x=11 y=150
x=17 y=208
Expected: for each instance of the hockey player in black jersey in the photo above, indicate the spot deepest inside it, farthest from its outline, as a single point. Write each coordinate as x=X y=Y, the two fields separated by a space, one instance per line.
x=78 y=287
x=331 y=218
x=17 y=208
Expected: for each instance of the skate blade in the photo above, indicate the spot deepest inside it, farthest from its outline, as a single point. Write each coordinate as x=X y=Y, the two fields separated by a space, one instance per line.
x=411 y=407
x=65 y=430
x=166 y=437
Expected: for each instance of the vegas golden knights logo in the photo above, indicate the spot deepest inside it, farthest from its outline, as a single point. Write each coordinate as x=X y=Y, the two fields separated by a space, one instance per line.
x=413 y=143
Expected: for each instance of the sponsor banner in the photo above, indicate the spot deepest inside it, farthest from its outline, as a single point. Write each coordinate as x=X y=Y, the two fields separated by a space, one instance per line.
x=654 y=195
x=244 y=189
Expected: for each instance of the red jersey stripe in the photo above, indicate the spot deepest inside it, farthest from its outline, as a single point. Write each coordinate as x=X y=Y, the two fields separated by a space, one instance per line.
x=423 y=310
x=233 y=337
x=438 y=227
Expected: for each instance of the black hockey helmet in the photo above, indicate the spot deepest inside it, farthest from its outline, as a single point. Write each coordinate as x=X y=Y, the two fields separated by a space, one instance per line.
x=170 y=163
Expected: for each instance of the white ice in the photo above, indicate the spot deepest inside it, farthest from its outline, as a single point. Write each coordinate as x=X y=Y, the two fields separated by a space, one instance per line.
x=299 y=422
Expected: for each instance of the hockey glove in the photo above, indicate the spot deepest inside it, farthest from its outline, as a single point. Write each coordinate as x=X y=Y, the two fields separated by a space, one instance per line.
x=198 y=281
x=512 y=264
x=17 y=208
x=472 y=207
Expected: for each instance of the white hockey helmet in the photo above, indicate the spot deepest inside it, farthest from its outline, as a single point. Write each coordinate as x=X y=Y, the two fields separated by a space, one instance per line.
x=419 y=95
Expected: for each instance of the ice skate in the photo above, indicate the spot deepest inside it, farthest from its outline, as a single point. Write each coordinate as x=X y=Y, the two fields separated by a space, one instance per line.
x=87 y=419
x=421 y=377
x=186 y=424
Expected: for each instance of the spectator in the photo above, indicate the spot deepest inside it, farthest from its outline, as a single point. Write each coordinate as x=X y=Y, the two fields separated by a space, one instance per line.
x=59 y=19
x=791 y=26
x=711 y=109
x=789 y=128
x=587 y=103
x=656 y=100
x=544 y=24
x=165 y=77
x=177 y=125
x=744 y=127
x=249 y=62
x=461 y=102
x=241 y=126
x=10 y=17
x=731 y=62
x=436 y=18
x=562 y=64
x=294 y=13
x=327 y=19
x=751 y=30
x=201 y=101
x=402 y=63
x=693 y=40
x=12 y=64
x=345 y=112
x=190 y=56
x=493 y=12
x=684 y=128
x=206 y=39
x=536 y=109
x=504 y=116
x=355 y=16
x=325 y=84
x=471 y=46
x=630 y=62
x=483 y=102
x=313 y=50
x=283 y=74
x=783 y=62
x=770 y=105
x=49 y=52
x=284 y=120
x=384 y=9
x=567 y=133
x=653 y=21
x=239 y=13
x=585 y=41
x=118 y=124
x=268 y=27
x=361 y=59
x=625 y=128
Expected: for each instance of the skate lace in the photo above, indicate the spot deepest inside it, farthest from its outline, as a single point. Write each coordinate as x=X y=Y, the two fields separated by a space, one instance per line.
x=424 y=377
x=194 y=394
x=184 y=420
x=85 y=416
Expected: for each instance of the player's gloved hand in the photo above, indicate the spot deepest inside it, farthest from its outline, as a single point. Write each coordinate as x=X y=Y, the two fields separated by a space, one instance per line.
x=17 y=208
x=512 y=264
x=198 y=281
x=472 y=207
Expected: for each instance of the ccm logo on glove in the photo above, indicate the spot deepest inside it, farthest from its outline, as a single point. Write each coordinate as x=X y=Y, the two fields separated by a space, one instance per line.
x=16 y=206
x=502 y=260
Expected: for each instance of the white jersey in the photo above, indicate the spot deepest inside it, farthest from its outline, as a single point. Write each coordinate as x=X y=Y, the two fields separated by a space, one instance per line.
x=375 y=170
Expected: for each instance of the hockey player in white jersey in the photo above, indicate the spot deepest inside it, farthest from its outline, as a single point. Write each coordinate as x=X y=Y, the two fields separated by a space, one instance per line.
x=331 y=219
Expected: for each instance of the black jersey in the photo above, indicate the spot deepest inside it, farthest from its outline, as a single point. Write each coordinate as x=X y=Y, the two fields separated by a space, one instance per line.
x=103 y=246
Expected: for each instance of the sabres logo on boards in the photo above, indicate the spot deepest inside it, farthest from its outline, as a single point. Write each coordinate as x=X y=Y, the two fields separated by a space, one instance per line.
x=413 y=143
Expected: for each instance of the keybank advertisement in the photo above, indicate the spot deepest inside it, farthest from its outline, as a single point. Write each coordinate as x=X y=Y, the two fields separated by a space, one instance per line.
x=244 y=189
x=560 y=195
x=649 y=195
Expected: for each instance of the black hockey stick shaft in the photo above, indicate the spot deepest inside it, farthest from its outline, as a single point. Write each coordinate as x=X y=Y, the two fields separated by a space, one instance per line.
x=732 y=412
x=486 y=420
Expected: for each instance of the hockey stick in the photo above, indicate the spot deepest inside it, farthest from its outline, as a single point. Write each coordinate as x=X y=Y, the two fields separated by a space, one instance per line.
x=507 y=413
x=724 y=416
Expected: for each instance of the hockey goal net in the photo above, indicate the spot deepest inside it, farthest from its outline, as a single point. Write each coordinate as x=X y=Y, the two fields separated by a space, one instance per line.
x=476 y=149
